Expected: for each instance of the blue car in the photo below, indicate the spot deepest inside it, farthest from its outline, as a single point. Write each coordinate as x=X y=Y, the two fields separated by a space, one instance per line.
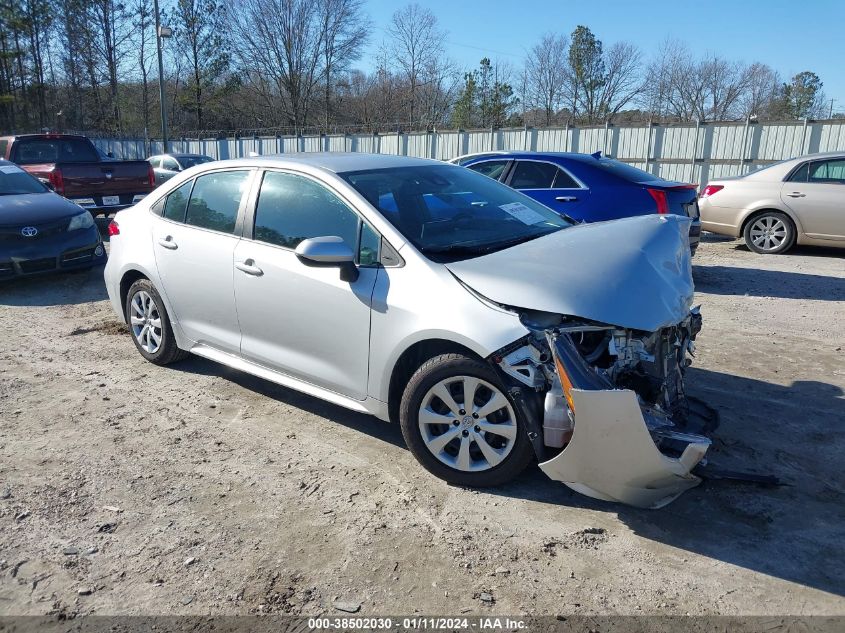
x=589 y=187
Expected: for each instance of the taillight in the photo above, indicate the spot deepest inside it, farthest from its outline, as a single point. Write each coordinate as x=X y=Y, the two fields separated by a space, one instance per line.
x=151 y=176
x=114 y=229
x=57 y=180
x=660 y=198
x=709 y=190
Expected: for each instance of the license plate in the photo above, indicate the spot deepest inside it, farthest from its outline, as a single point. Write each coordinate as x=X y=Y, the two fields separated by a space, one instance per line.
x=110 y=200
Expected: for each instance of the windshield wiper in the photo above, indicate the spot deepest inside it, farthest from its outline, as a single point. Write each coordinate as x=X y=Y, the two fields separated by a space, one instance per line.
x=455 y=248
x=474 y=249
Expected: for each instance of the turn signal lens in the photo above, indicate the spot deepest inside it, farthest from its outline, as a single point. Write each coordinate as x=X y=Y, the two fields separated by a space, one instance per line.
x=565 y=383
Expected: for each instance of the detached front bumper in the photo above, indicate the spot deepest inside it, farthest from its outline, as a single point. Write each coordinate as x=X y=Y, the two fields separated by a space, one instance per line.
x=612 y=454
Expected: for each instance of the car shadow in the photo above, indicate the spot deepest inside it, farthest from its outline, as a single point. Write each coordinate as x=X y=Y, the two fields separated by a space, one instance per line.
x=362 y=422
x=803 y=251
x=792 y=531
x=67 y=288
x=729 y=280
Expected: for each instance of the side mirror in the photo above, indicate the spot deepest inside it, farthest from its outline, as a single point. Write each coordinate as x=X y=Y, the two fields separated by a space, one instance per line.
x=326 y=252
x=110 y=154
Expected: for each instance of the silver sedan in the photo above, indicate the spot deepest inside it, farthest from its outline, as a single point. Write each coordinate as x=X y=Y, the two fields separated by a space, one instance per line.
x=493 y=330
x=797 y=201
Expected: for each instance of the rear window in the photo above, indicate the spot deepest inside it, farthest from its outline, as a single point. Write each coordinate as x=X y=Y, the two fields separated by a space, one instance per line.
x=623 y=170
x=53 y=150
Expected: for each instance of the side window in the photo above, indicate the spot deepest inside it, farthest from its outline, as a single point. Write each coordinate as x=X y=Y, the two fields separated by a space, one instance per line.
x=293 y=208
x=368 y=249
x=158 y=207
x=800 y=174
x=215 y=200
x=533 y=175
x=828 y=171
x=492 y=168
x=177 y=202
x=169 y=163
x=155 y=161
x=564 y=181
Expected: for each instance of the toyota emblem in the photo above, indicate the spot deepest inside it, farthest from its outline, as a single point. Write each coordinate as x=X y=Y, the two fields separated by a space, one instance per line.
x=29 y=231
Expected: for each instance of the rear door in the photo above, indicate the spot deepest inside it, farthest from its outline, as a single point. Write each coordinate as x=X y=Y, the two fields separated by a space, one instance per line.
x=816 y=193
x=194 y=241
x=551 y=185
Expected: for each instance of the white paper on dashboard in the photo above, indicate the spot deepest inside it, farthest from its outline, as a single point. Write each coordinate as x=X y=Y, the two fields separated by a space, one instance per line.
x=10 y=169
x=522 y=213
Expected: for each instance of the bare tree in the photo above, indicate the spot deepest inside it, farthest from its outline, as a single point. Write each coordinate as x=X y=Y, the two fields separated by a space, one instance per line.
x=416 y=42
x=280 y=50
x=345 y=29
x=545 y=76
x=622 y=80
x=762 y=84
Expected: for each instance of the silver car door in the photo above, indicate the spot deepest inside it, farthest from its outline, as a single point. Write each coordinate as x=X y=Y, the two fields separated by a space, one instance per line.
x=816 y=193
x=194 y=242
x=301 y=320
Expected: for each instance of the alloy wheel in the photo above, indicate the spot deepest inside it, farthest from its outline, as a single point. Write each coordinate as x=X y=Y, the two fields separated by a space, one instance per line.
x=145 y=320
x=768 y=233
x=467 y=423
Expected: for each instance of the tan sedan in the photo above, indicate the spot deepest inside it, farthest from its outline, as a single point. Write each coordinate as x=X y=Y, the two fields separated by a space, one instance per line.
x=801 y=200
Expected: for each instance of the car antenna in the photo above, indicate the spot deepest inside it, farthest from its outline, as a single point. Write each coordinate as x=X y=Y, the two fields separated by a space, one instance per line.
x=596 y=155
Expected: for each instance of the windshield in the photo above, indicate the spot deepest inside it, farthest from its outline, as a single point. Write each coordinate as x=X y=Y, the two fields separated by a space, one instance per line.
x=451 y=213
x=54 y=150
x=14 y=180
x=190 y=161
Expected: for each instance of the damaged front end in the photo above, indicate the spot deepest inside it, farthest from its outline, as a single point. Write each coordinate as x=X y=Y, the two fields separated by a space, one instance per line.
x=610 y=402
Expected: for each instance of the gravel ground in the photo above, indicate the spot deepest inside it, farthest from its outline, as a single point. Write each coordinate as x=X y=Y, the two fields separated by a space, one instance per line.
x=127 y=488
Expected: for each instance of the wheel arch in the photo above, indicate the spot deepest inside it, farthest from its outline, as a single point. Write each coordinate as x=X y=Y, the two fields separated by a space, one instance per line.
x=411 y=359
x=129 y=277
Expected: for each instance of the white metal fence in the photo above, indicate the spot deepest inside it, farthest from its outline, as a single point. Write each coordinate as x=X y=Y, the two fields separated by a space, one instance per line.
x=690 y=153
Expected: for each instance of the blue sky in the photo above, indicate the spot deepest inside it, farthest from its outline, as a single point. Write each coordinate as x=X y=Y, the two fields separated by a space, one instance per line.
x=789 y=36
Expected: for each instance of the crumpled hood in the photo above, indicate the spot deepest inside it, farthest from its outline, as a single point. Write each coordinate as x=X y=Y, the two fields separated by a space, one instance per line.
x=634 y=272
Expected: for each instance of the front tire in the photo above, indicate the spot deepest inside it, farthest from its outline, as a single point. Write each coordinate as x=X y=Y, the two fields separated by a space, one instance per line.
x=769 y=233
x=149 y=324
x=460 y=424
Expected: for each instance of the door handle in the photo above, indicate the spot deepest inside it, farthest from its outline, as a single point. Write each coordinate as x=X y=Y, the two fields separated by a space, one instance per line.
x=797 y=194
x=566 y=199
x=248 y=266
x=168 y=243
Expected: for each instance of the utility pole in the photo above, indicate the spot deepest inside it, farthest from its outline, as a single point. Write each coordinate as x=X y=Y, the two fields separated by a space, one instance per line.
x=161 y=32
x=830 y=116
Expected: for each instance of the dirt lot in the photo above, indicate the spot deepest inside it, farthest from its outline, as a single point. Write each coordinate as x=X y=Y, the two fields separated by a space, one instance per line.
x=127 y=488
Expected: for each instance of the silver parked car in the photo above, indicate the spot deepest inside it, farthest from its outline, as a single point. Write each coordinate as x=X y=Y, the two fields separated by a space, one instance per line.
x=493 y=330
x=165 y=166
x=801 y=201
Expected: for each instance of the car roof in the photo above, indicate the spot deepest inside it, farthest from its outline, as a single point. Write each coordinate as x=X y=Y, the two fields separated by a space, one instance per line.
x=528 y=154
x=336 y=162
x=180 y=155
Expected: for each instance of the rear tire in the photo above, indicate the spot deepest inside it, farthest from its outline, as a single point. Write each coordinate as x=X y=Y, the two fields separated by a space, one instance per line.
x=478 y=443
x=149 y=324
x=769 y=233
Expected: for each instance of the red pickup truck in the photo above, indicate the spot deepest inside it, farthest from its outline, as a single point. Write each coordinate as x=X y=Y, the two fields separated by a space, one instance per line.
x=72 y=166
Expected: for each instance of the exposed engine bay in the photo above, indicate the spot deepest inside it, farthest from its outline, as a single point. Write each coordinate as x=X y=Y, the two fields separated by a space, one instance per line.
x=614 y=419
